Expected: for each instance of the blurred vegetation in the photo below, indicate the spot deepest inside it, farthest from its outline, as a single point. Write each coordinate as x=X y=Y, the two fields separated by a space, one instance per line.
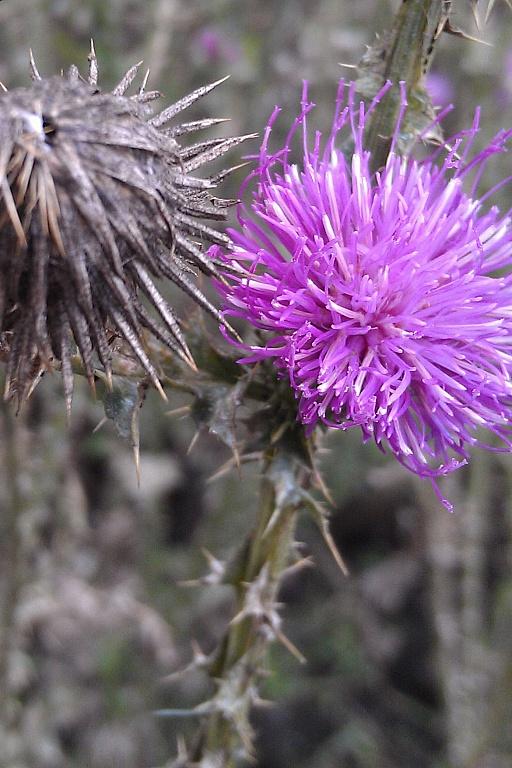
x=409 y=659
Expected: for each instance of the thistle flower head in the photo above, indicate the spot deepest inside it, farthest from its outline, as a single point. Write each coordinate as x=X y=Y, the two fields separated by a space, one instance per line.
x=380 y=296
x=97 y=199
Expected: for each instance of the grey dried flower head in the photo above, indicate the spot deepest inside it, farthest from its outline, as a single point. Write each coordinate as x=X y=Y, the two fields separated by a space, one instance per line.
x=97 y=199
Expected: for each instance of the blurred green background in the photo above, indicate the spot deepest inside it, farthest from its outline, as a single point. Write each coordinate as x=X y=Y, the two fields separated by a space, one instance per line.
x=409 y=659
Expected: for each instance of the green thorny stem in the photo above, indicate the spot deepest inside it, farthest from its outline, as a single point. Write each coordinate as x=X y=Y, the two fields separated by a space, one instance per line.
x=237 y=665
x=407 y=58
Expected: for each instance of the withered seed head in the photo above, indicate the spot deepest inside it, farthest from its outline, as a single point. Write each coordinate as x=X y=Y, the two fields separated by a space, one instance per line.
x=97 y=198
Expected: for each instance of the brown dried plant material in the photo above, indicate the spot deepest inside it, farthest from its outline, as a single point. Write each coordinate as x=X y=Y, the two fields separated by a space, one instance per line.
x=97 y=199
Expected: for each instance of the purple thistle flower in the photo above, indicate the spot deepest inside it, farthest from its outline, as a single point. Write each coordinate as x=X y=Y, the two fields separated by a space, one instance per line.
x=379 y=294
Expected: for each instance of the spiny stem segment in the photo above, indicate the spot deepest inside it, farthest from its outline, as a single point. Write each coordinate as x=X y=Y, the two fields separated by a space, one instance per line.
x=407 y=58
x=237 y=665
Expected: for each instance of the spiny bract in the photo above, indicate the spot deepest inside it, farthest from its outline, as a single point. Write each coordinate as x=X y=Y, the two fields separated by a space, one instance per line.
x=97 y=198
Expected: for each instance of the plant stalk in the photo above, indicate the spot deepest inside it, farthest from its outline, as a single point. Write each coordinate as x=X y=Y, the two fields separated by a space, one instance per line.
x=237 y=666
x=417 y=27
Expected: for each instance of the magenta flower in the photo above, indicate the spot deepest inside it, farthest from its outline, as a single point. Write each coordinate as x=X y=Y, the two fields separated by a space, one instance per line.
x=379 y=296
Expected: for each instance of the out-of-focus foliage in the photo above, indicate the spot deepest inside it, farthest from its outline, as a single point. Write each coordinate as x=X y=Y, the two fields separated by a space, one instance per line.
x=409 y=659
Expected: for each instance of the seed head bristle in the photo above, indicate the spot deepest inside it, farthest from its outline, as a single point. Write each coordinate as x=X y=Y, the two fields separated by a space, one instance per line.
x=97 y=200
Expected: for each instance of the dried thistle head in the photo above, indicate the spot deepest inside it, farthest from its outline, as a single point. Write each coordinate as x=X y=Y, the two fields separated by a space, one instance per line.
x=97 y=199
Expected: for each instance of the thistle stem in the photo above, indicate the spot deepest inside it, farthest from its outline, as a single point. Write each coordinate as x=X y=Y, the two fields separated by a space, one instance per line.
x=237 y=665
x=417 y=26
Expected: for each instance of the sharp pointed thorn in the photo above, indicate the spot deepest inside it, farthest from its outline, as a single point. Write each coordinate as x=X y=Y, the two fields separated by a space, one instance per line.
x=160 y=390
x=229 y=328
x=34 y=73
x=189 y=360
x=333 y=549
x=193 y=442
x=92 y=77
x=126 y=80
x=223 y=470
x=189 y=583
x=236 y=457
x=218 y=82
x=136 y=461
x=183 y=410
x=487 y=13
x=287 y=643
x=99 y=425
x=144 y=82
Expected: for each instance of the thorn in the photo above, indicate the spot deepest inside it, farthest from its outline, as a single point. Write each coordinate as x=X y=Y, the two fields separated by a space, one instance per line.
x=193 y=442
x=189 y=583
x=200 y=658
x=217 y=569
x=322 y=486
x=236 y=457
x=92 y=386
x=331 y=545
x=211 y=559
x=136 y=461
x=195 y=125
x=181 y=747
x=144 y=83
x=278 y=433
x=257 y=701
x=92 y=77
x=160 y=390
x=99 y=425
x=3 y=87
x=68 y=411
x=191 y=363
x=222 y=175
x=476 y=16
x=456 y=32
x=223 y=470
x=245 y=458
x=491 y=6
x=226 y=325
x=347 y=66
x=171 y=111
x=126 y=80
x=37 y=378
x=287 y=643
x=304 y=562
x=183 y=410
x=34 y=74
